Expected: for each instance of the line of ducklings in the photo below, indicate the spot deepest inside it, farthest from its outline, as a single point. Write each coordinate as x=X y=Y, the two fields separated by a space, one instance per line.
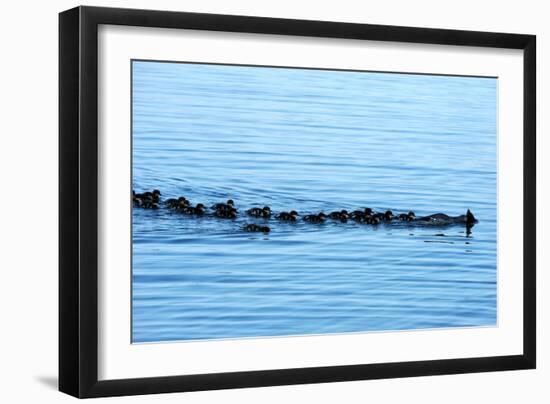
x=227 y=210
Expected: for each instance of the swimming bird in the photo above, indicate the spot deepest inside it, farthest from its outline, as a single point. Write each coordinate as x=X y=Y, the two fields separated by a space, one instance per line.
x=407 y=217
x=147 y=204
x=156 y=195
x=361 y=215
x=229 y=205
x=171 y=202
x=256 y=228
x=287 y=216
x=339 y=215
x=374 y=220
x=197 y=210
x=225 y=214
x=264 y=212
x=441 y=219
x=147 y=200
x=175 y=203
x=318 y=218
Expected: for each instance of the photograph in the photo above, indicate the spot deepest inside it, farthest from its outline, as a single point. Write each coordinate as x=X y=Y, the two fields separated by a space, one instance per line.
x=283 y=201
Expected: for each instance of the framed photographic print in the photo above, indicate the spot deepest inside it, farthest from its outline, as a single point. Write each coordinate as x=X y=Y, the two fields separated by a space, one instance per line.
x=251 y=201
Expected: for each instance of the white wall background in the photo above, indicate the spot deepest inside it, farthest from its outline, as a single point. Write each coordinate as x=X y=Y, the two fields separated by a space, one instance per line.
x=28 y=199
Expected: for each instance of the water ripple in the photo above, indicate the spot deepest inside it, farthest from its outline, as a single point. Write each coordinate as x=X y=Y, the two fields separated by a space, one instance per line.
x=311 y=140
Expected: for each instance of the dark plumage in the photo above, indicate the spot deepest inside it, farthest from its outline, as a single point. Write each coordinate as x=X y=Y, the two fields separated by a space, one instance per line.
x=264 y=212
x=225 y=214
x=407 y=217
x=190 y=210
x=256 y=228
x=146 y=200
x=339 y=215
x=227 y=210
x=156 y=195
x=180 y=203
x=287 y=216
x=361 y=215
x=229 y=205
x=319 y=218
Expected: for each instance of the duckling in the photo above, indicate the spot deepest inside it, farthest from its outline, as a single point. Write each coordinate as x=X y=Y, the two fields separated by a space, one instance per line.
x=319 y=218
x=369 y=219
x=339 y=215
x=287 y=216
x=142 y=197
x=388 y=216
x=256 y=228
x=225 y=214
x=156 y=195
x=182 y=203
x=140 y=200
x=149 y=205
x=197 y=210
x=407 y=217
x=360 y=215
x=229 y=205
x=374 y=220
x=174 y=203
x=264 y=212
x=379 y=216
x=171 y=202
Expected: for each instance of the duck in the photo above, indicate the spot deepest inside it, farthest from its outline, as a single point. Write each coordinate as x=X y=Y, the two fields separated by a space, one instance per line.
x=152 y=205
x=264 y=212
x=361 y=215
x=228 y=205
x=146 y=204
x=256 y=228
x=374 y=220
x=225 y=214
x=182 y=203
x=145 y=199
x=441 y=219
x=318 y=218
x=178 y=203
x=287 y=216
x=341 y=215
x=406 y=217
x=156 y=195
x=171 y=202
x=196 y=210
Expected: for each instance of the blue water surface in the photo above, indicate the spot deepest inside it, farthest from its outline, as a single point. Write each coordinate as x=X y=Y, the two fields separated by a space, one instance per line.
x=311 y=140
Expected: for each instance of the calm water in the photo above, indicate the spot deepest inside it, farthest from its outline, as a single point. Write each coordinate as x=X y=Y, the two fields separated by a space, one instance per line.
x=311 y=140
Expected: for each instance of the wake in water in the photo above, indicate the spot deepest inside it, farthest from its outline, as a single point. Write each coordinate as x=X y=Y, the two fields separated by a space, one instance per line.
x=227 y=210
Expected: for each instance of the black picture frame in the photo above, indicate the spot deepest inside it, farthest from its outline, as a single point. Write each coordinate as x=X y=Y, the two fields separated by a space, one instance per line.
x=78 y=196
